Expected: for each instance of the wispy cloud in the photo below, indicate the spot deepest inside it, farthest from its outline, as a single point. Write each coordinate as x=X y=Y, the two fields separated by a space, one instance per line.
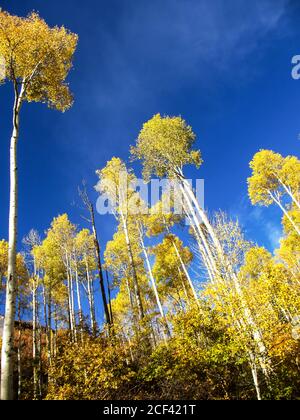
x=260 y=223
x=128 y=66
x=152 y=49
x=274 y=234
x=170 y=39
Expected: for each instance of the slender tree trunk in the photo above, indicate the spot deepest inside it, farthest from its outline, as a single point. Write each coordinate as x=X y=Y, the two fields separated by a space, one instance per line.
x=45 y=306
x=72 y=321
x=183 y=287
x=153 y=283
x=277 y=201
x=70 y=318
x=101 y=280
x=189 y=195
x=86 y=200
x=109 y=299
x=183 y=265
x=187 y=187
x=90 y=299
x=218 y=260
x=129 y=295
x=45 y=317
x=205 y=257
x=93 y=305
x=254 y=375
x=153 y=335
x=55 y=331
x=49 y=339
x=289 y=192
x=200 y=236
x=186 y=272
x=40 y=335
x=180 y=301
x=38 y=351
x=100 y=271
x=10 y=305
x=79 y=301
x=34 y=337
x=19 y=357
x=130 y=347
x=19 y=350
x=134 y=273
x=74 y=330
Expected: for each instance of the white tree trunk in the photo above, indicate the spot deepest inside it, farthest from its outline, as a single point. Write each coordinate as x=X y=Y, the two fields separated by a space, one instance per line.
x=19 y=362
x=289 y=192
x=10 y=303
x=79 y=300
x=277 y=201
x=184 y=287
x=206 y=256
x=153 y=283
x=134 y=273
x=186 y=272
x=72 y=306
x=187 y=187
x=49 y=339
x=201 y=239
x=90 y=298
x=254 y=375
x=71 y=325
x=256 y=334
x=34 y=336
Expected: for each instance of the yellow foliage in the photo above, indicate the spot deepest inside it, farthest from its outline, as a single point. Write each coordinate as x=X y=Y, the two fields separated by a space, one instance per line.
x=39 y=57
x=165 y=145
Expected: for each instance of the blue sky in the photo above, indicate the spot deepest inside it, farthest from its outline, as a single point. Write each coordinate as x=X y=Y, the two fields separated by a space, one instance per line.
x=224 y=65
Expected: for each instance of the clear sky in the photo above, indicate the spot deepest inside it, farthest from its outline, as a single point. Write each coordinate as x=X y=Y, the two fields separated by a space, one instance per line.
x=224 y=65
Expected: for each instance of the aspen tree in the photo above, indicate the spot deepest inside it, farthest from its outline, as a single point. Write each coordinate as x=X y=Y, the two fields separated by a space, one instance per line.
x=275 y=179
x=31 y=241
x=50 y=260
x=166 y=266
x=38 y=59
x=75 y=261
x=91 y=219
x=85 y=246
x=289 y=250
x=119 y=262
x=160 y=221
x=60 y=244
x=165 y=147
x=141 y=231
x=114 y=182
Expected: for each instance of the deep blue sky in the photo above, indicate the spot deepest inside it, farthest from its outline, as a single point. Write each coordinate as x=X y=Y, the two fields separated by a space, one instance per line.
x=225 y=66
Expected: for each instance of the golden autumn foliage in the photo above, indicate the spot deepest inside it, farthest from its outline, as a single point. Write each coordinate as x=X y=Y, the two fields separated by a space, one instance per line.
x=231 y=336
x=191 y=313
x=39 y=57
x=165 y=145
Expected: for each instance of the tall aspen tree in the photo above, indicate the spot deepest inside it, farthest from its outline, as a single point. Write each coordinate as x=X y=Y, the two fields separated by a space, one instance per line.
x=38 y=59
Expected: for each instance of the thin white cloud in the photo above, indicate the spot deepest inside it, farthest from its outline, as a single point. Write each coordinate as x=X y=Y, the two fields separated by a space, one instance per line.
x=181 y=34
x=274 y=234
x=152 y=49
x=161 y=45
x=264 y=222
